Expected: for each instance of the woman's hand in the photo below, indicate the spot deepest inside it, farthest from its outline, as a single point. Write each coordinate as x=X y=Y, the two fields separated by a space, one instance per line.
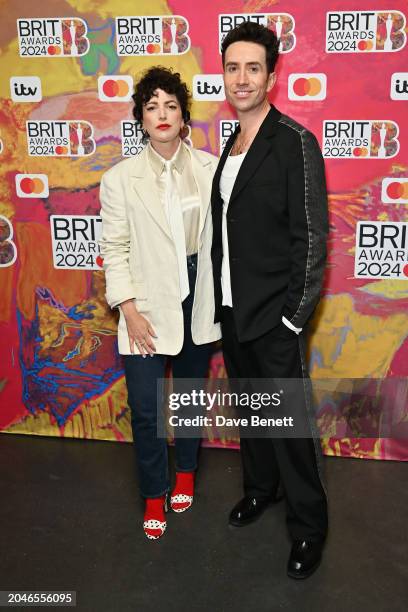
x=139 y=330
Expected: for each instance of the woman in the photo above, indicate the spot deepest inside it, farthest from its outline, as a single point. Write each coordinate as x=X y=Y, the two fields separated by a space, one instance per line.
x=156 y=244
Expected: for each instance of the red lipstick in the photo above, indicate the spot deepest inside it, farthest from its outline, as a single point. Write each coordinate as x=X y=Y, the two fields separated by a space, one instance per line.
x=163 y=126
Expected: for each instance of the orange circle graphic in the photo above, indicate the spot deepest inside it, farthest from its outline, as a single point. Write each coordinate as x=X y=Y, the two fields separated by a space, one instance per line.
x=314 y=86
x=123 y=88
x=38 y=185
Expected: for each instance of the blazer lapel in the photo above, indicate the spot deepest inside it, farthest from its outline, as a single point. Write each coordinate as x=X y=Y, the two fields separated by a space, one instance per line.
x=215 y=193
x=145 y=186
x=202 y=176
x=258 y=150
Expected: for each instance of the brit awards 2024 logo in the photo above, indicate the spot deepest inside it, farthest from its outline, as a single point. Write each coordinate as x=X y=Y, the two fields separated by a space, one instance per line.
x=75 y=241
x=32 y=186
x=381 y=250
x=208 y=87
x=115 y=88
x=52 y=37
x=282 y=24
x=360 y=139
x=307 y=87
x=152 y=35
x=8 y=250
x=365 y=31
x=227 y=128
x=394 y=190
x=25 y=89
x=131 y=137
x=399 y=86
x=60 y=138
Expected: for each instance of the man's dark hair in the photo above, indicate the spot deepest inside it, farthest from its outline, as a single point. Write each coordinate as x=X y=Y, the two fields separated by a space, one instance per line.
x=163 y=78
x=248 y=31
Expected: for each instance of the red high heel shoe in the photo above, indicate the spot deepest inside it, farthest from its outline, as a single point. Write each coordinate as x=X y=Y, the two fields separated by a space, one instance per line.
x=183 y=493
x=154 y=523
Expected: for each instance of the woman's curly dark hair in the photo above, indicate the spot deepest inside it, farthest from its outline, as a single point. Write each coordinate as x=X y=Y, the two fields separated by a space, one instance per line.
x=163 y=78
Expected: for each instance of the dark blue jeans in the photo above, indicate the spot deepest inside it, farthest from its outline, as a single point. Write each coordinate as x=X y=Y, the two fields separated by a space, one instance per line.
x=141 y=380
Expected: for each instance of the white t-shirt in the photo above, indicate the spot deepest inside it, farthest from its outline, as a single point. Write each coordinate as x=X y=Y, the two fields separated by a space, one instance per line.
x=227 y=181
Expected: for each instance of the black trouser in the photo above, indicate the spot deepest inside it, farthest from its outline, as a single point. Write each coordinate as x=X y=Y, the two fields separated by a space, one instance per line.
x=295 y=462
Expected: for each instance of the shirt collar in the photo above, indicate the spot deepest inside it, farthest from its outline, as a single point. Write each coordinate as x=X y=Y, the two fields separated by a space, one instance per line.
x=158 y=162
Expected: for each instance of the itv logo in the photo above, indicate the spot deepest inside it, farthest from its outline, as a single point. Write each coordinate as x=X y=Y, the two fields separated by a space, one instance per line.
x=25 y=89
x=399 y=86
x=208 y=87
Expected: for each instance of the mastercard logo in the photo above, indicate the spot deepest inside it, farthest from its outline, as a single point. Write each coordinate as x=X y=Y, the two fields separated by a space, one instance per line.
x=308 y=86
x=54 y=50
x=32 y=185
x=365 y=45
x=115 y=88
x=153 y=48
x=395 y=190
x=360 y=151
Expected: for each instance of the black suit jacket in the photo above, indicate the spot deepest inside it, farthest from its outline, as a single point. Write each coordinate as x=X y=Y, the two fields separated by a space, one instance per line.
x=277 y=228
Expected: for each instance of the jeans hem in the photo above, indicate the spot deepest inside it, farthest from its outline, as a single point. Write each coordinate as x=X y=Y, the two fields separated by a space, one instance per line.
x=155 y=495
x=193 y=469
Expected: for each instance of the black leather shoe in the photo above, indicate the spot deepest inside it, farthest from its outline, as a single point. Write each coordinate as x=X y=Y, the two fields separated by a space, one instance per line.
x=305 y=558
x=249 y=509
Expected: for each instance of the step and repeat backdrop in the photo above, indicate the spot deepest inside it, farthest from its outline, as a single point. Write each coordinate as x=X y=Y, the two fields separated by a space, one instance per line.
x=67 y=74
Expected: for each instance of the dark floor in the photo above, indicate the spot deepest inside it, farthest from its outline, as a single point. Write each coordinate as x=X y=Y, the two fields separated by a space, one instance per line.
x=70 y=519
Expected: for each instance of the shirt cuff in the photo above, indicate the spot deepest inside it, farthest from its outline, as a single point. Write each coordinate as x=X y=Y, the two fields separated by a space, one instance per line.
x=297 y=330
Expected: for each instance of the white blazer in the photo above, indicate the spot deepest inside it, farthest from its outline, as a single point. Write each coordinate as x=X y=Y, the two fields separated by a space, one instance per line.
x=140 y=259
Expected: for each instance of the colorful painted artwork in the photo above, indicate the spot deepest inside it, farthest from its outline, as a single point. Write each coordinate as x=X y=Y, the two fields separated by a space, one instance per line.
x=67 y=72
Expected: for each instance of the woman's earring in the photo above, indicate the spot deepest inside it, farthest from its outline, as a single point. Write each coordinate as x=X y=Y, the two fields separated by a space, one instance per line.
x=184 y=131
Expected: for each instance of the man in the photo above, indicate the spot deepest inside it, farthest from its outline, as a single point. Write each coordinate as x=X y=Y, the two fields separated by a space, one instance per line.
x=269 y=209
